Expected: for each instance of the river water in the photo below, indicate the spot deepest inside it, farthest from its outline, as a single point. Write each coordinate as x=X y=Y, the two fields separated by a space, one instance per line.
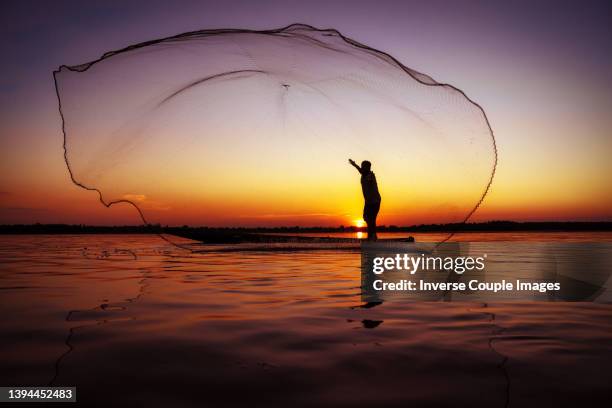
x=131 y=319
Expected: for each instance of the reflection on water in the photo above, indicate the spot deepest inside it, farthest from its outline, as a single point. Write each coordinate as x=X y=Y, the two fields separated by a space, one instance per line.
x=166 y=327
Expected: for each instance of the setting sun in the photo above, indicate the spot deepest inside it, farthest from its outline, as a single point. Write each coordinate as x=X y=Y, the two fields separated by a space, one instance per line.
x=359 y=223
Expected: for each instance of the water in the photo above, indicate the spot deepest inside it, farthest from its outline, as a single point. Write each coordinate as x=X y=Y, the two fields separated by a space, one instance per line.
x=131 y=319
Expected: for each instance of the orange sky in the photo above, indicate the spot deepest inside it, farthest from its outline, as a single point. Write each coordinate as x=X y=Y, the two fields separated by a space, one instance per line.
x=549 y=108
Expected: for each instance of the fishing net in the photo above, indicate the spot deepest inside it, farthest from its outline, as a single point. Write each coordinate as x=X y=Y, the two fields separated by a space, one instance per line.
x=242 y=127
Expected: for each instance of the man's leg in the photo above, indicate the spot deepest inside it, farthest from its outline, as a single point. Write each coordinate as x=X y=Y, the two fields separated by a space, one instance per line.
x=369 y=216
x=372 y=224
x=372 y=230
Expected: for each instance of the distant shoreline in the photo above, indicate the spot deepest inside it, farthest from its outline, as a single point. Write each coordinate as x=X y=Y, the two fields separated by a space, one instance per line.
x=491 y=226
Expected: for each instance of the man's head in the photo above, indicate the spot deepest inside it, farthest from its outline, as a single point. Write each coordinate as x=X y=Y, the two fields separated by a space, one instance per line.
x=365 y=166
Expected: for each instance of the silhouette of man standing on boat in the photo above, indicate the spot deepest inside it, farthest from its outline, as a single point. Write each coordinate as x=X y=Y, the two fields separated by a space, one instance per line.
x=370 y=195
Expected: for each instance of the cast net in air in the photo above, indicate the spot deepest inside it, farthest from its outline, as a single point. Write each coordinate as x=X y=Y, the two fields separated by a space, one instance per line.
x=242 y=127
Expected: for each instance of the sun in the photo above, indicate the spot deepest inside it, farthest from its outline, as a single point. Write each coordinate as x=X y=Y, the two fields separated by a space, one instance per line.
x=359 y=223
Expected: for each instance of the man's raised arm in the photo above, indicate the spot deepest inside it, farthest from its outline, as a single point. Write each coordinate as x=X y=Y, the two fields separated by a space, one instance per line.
x=355 y=165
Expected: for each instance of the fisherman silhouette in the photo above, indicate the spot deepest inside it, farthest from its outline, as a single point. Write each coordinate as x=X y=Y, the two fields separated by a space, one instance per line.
x=370 y=195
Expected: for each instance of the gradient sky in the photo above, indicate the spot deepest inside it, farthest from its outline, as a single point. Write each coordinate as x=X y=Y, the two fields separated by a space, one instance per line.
x=542 y=71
